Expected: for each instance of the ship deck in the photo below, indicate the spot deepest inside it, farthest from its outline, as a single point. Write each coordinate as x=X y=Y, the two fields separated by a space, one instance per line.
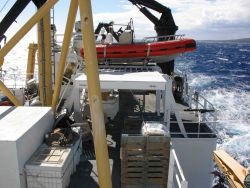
x=86 y=174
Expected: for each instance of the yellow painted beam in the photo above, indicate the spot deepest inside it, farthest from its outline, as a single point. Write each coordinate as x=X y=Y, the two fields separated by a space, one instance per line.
x=233 y=171
x=31 y=61
x=64 y=52
x=27 y=26
x=8 y=93
x=1 y=62
x=94 y=91
x=44 y=60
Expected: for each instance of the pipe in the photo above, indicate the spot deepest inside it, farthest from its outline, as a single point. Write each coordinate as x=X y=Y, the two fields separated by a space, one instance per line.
x=64 y=52
x=31 y=61
x=27 y=26
x=95 y=100
x=8 y=93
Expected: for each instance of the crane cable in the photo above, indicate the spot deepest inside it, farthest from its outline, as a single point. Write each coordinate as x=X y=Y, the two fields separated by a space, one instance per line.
x=4 y=5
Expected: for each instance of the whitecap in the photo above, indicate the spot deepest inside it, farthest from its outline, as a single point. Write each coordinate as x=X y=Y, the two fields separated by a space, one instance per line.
x=239 y=148
x=244 y=50
x=210 y=61
x=201 y=80
x=222 y=59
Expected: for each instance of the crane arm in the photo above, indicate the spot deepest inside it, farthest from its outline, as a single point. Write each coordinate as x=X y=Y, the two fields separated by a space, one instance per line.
x=11 y=16
x=13 y=13
x=163 y=26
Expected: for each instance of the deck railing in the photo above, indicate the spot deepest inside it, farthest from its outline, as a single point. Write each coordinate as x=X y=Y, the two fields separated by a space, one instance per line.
x=176 y=178
x=163 y=38
x=13 y=80
x=202 y=108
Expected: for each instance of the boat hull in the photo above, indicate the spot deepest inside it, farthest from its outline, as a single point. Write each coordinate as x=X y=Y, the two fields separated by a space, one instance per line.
x=161 y=51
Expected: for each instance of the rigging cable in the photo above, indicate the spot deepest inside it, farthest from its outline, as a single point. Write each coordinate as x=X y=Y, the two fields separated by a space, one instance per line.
x=4 y=5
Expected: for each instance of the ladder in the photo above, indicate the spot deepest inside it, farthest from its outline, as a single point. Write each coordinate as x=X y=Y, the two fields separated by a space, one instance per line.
x=53 y=43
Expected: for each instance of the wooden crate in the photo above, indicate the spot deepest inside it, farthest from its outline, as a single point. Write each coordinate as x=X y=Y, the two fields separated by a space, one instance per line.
x=144 y=161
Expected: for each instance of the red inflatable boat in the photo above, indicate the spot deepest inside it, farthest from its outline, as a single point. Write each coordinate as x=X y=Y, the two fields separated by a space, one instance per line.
x=161 y=51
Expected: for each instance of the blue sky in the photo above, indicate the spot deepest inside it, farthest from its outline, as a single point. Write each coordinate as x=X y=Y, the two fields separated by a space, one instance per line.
x=199 y=19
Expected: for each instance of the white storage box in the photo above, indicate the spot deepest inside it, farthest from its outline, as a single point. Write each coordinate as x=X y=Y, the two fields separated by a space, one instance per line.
x=50 y=167
x=22 y=131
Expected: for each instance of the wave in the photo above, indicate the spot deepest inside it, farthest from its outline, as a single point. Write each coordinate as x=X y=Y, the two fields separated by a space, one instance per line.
x=233 y=121
x=201 y=80
x=239 y=148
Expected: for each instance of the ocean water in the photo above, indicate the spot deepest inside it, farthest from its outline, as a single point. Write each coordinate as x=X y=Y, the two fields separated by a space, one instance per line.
x=220 y=71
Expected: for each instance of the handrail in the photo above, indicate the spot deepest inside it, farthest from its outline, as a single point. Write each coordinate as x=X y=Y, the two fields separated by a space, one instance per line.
x=177 y=133
x=196 y=101
x=16 y=80
x=68 y=81
x=63 y=91
x=176 y=176
x=165 y=37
